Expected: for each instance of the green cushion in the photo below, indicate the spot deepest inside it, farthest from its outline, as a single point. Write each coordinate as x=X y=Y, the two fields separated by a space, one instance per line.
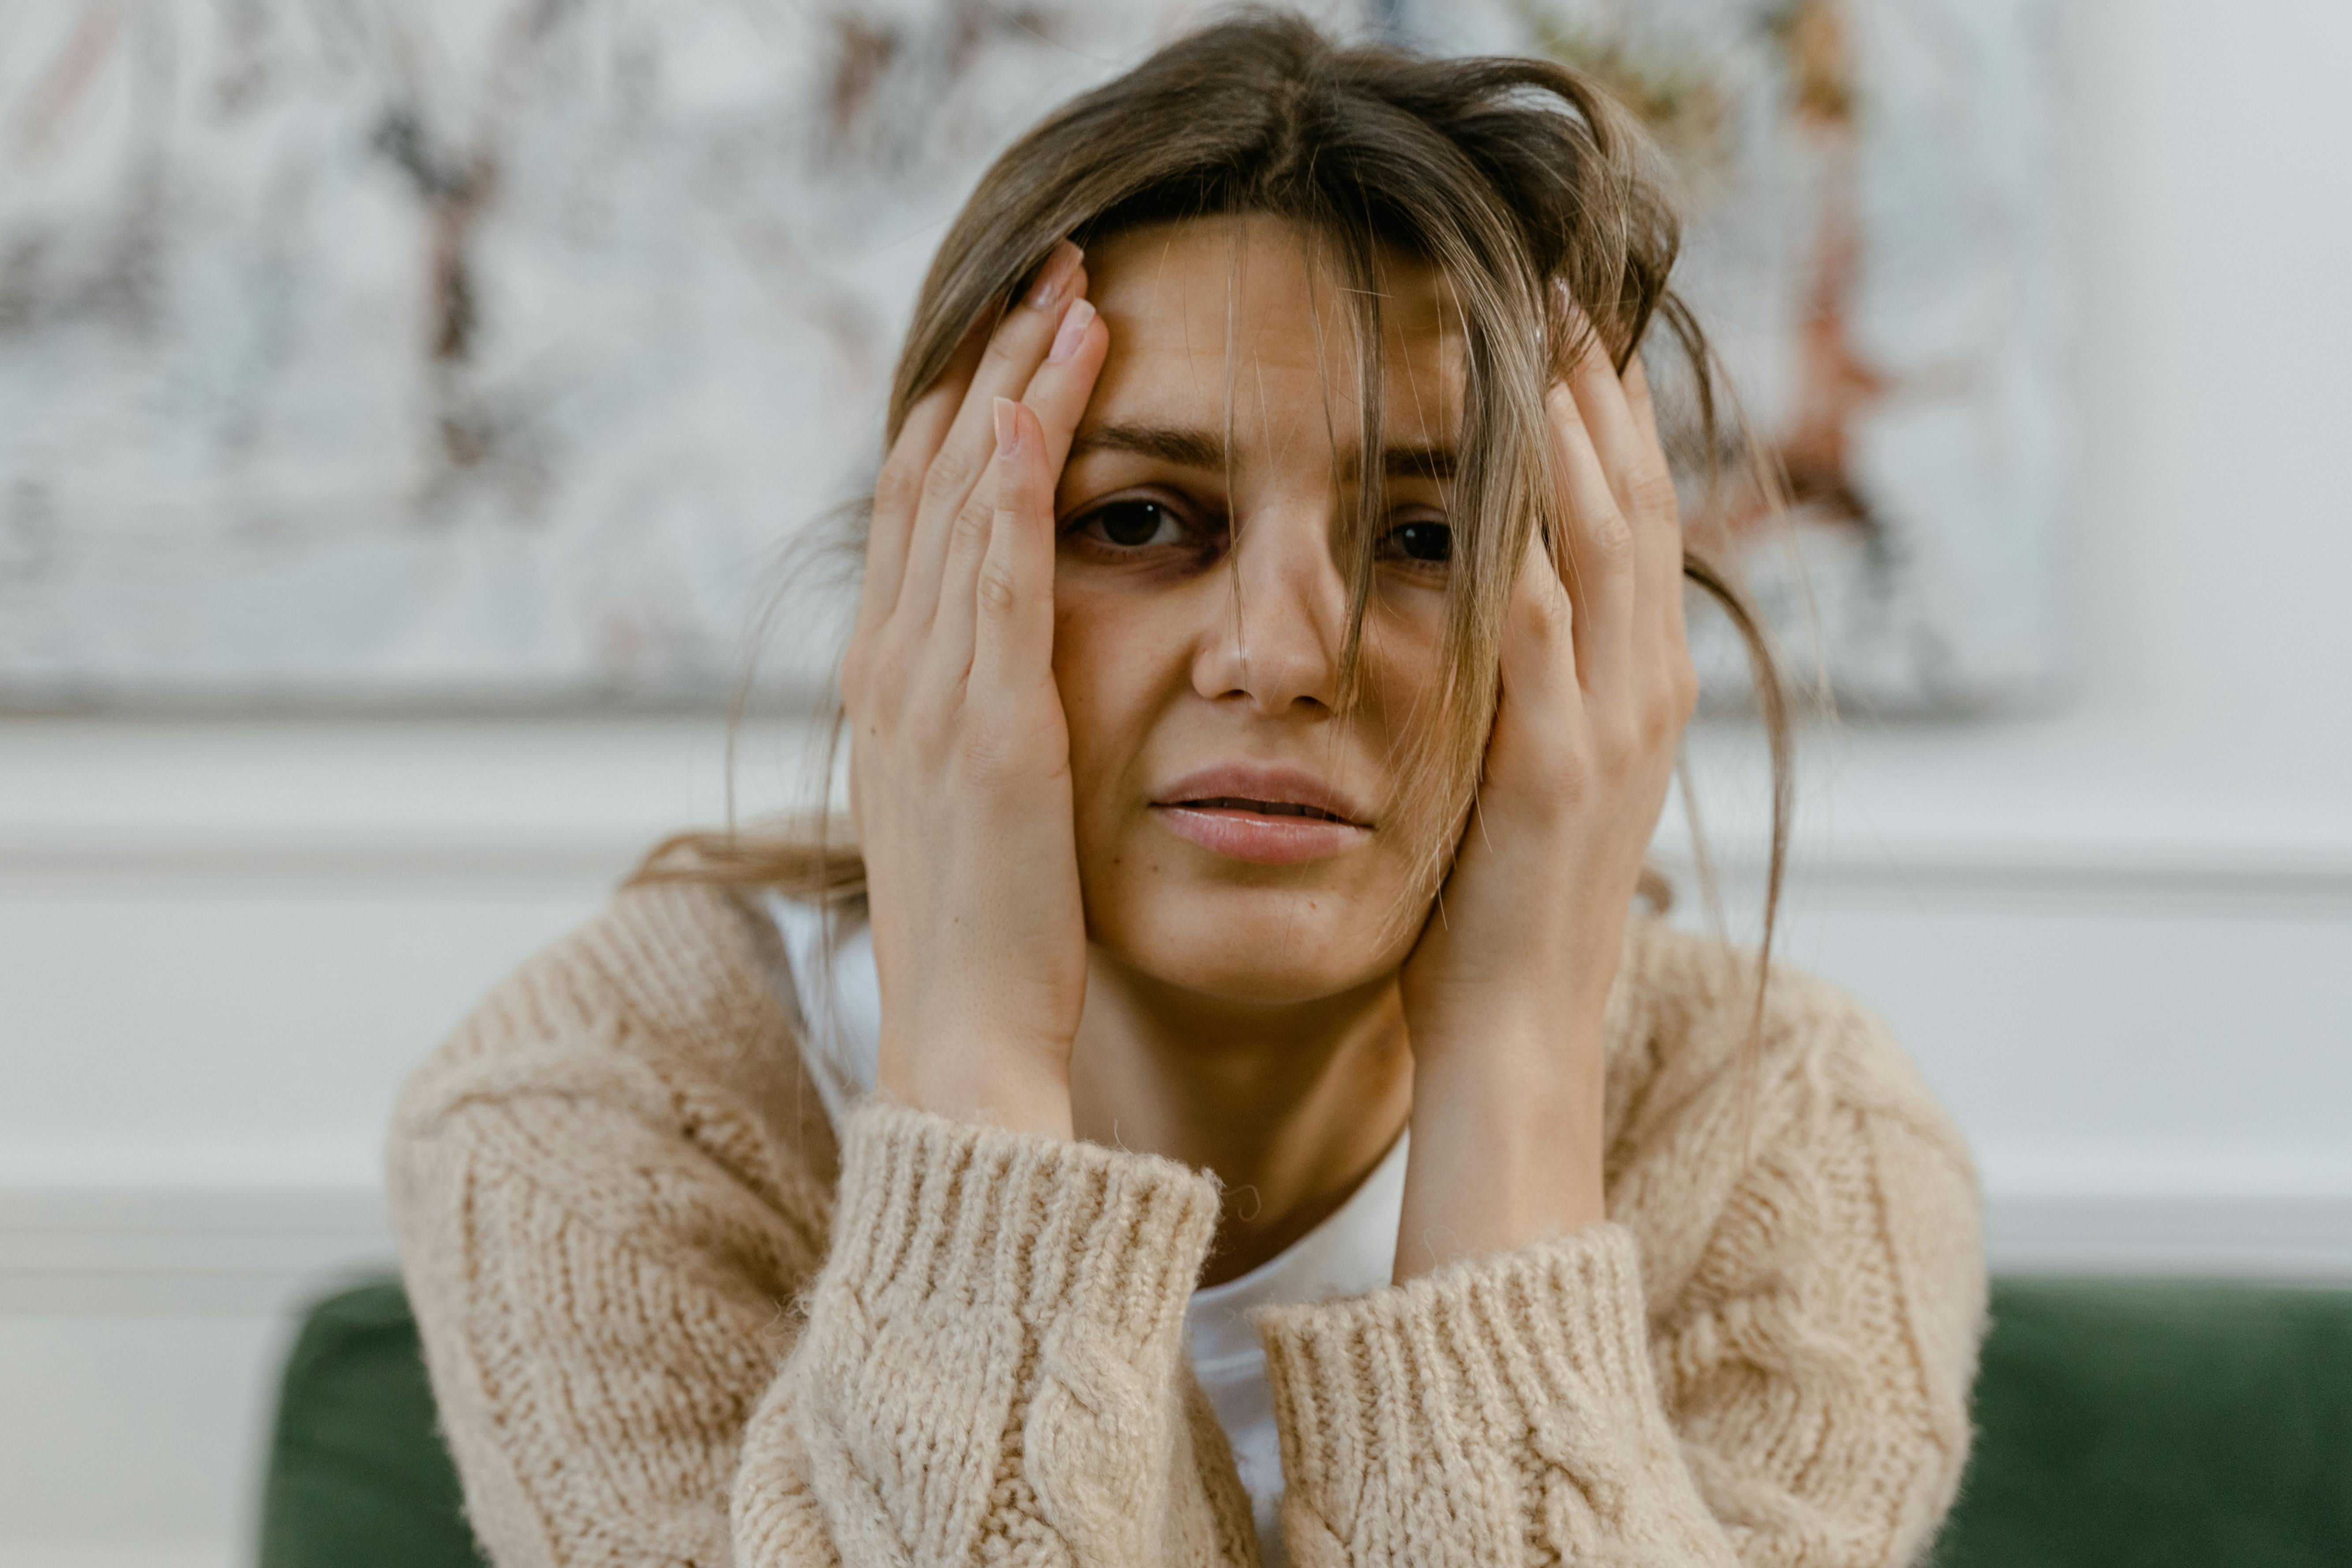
x=357 y=1475
x=2155 y=1423
x=2140 y=1422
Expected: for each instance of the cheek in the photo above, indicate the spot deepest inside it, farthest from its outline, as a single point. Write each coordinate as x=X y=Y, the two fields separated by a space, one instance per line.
x=1405 y=638
x=1110 y=666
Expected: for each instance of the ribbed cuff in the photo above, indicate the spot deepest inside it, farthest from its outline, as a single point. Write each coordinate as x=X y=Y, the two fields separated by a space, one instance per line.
x=1474 y=1364
x=933 y=1210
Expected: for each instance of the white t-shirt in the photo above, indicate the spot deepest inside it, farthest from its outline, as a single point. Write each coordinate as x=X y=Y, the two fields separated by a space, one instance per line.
x=839 y=1001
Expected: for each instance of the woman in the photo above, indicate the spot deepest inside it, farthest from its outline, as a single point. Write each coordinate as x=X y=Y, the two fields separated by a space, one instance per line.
x=1226 y=1109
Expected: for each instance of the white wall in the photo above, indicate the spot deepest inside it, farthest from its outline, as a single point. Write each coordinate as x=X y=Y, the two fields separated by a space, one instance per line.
x=2117 y=935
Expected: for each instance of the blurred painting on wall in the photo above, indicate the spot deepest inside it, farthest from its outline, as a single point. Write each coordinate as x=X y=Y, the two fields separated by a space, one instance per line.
x=443 y=353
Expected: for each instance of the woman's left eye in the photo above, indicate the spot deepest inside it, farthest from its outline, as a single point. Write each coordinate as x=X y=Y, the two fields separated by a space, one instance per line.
x=1139 y=524
x=1421 y=543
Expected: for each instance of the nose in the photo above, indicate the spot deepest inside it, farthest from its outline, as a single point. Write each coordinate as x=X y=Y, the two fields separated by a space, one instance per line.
x=1273 y=639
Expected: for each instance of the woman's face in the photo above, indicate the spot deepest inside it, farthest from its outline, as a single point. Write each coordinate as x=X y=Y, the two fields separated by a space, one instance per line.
x=1236 y=834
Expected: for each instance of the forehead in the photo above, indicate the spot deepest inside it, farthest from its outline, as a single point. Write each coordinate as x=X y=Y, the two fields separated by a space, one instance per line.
x=1241 y=308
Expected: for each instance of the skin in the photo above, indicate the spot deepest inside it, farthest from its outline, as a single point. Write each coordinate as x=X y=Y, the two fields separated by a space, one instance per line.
x=1041 y=658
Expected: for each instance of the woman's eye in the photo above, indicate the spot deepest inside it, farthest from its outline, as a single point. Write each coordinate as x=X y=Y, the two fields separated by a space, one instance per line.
x=1133 y=525
x=1424 y=542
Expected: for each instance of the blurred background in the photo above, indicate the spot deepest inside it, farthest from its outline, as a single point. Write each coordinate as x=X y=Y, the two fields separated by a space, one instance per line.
x=405 y=406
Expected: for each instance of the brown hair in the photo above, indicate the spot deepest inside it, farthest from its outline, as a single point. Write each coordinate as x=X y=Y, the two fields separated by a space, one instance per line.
x=1516 y=179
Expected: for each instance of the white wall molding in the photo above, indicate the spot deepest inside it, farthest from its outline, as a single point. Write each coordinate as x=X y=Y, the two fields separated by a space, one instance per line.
x=2246 y=878
x=529 y=798
x=63 y=864
x=81 y=1552
x=2259 y=875
x=2288 y=1237
x=2278 y=1211
x=171 y=1250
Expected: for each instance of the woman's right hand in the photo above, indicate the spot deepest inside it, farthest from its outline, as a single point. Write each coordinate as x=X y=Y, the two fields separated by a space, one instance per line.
x=960 y=756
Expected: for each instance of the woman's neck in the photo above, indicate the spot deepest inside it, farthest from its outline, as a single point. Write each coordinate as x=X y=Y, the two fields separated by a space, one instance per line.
x=1290 y=1106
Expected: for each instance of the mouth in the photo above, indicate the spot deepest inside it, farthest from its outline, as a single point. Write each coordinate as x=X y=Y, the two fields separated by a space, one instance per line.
x=1262 y=808
x=1266 y=815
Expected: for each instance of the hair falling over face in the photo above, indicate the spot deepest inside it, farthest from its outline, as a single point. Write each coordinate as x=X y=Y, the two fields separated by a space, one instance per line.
x=1545 y=210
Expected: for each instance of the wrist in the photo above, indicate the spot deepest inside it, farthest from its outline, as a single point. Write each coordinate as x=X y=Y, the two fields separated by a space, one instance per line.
x=1538 y=1044
x=1530 y=1099
x=1009 y=1088
x=1501 y=1157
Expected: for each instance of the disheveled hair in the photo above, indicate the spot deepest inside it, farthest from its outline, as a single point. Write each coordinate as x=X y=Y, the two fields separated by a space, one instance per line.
x=1540 y=203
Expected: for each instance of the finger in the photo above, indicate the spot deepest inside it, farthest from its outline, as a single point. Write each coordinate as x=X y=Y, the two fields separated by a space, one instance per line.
x=1599 y=546
x=1058 y=392
x=1015 y=350
x=1538 y=666
x=1012 y=640
x=898 y=489
x=1645 y=411
x=1056 y=395
x=1608 y=418
x=1661 y=479
x=1639 y=478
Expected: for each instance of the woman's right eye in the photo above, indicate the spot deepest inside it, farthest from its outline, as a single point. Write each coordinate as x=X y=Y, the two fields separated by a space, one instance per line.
x=1140 y=524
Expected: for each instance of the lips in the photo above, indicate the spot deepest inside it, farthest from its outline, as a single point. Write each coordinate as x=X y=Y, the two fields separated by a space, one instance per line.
x=1262 y=808
x=1268 y=815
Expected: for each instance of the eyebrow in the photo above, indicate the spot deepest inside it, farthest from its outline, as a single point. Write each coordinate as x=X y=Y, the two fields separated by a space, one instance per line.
x=1195 y=448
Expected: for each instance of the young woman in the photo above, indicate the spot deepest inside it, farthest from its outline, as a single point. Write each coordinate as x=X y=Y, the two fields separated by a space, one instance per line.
x=1226 y=1106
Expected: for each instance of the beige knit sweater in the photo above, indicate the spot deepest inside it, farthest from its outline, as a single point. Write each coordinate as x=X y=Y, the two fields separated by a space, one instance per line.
x=669 y=1322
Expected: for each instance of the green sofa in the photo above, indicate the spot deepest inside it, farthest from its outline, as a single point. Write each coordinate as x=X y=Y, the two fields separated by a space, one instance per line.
x=2141 y=1422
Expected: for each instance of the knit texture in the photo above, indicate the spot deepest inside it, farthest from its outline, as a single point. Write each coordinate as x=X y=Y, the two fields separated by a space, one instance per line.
x=670 y=1320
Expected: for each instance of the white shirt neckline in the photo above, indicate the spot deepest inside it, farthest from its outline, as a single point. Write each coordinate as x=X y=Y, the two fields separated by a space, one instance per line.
x=1352 y=1250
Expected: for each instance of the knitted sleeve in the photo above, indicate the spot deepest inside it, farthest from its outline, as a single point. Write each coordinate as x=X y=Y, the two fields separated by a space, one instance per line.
x=643 y=1353
x=1800 y=1398
x=991 y=1370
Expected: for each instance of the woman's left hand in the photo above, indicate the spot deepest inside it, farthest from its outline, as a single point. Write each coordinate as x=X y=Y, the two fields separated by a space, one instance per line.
x=1503 y=992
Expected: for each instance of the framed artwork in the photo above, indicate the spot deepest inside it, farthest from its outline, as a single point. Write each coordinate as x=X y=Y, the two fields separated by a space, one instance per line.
x=435 y=355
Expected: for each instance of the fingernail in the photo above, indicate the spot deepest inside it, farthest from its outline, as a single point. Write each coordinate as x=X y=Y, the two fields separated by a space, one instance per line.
x=1075 y=322
x=1053 y=278
x=1008 y=428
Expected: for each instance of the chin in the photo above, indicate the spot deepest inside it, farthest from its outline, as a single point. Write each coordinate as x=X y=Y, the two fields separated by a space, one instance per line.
x=1268 y=946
